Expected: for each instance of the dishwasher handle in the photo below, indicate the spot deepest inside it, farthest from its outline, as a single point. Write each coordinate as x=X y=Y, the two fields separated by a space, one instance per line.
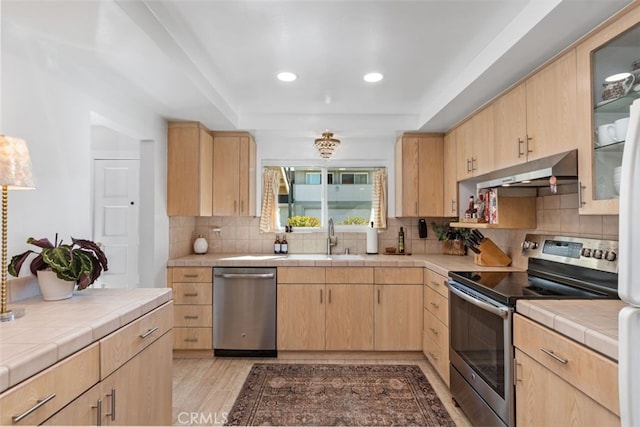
x=246 y=275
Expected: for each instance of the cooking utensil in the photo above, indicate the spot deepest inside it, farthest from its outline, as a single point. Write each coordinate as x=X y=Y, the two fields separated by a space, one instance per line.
x=478 y=235
x=472 y=243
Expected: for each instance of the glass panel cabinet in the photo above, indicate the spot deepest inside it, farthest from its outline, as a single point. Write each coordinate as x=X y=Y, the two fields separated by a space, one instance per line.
x=608 y=64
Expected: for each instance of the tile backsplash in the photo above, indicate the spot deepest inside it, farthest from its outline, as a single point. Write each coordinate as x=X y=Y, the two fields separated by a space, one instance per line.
x=556 y=214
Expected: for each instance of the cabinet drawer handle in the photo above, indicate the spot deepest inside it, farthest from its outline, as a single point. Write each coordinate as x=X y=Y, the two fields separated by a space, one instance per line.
x=434 y=331
x=433 y=356
x=191 y=340
x=378 y=296
x=112 y=395
x=98 y=407
x=320 y=296
x=39 y=403
x=190 y=276
x=581 y=187
x=529 y=138
x=149 y=332
x=552 y=354
x=242 y=206
x=436 y=306
x=190 y=317
x=453 y=206
x=190 y=294
x=434 y=283
x=329 y=301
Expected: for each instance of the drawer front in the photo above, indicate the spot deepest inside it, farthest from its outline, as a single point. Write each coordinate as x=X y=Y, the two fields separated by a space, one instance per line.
x=586 y=370
x=192 y=274
x=192 y=316
x=56 y=386
x=436 y=282
x=435 y=330
x=116 y=349
x=436 y=345
x=436 y=304
x=192 y=338
x=351 y=275
x=301 y=275
x=193 y=293
x=399 y=275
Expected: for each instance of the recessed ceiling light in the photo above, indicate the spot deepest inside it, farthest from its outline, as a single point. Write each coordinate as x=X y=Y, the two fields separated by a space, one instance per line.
x=373 y=77
x=286 y=76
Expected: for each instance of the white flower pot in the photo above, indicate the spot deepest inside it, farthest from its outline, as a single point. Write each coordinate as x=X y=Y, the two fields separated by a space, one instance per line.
x=52 y=288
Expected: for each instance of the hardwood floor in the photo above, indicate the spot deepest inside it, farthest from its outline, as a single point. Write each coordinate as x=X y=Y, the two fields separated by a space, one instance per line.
x=204 y=390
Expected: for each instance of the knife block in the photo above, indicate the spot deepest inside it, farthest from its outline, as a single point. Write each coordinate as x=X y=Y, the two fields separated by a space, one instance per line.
x=491 y=255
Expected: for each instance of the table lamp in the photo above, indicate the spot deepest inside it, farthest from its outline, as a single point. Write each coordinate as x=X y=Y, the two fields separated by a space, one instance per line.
x=15 y=173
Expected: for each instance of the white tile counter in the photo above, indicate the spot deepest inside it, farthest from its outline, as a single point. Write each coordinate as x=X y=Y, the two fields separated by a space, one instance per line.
x=441 y=264
x=51 y=331
x=593 y=323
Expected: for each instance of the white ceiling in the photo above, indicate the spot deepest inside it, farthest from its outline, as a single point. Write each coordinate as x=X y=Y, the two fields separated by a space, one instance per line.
x=216 y=61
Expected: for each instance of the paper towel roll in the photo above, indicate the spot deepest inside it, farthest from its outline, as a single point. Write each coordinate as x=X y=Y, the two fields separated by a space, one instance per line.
x=372 y=241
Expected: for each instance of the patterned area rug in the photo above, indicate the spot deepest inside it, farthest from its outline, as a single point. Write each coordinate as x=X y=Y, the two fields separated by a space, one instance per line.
x=330 y=395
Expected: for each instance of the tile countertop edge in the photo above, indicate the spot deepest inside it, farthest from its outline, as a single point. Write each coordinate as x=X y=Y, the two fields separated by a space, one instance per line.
x=592 y=323
x=439 y=263
x=120 y=306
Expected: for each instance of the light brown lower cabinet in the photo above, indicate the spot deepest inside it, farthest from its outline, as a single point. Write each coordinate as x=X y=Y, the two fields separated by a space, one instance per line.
x=193 y=302
x=325 y=317
x=341 y=309
x=435 y=332
x=301 y=316
x=349 y=317
x=398 y=317
x=124 y=379
x=137 y=393
x=545 y=399
x=561 y=382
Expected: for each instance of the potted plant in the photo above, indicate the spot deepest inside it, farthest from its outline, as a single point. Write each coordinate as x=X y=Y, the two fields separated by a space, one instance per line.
x=64 y=265
x=453 y=238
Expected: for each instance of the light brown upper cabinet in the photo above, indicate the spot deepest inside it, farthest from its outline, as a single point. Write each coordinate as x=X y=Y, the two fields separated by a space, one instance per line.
x=234 y=174
x=612 y=49
x=474 y=145
x=537 y=118
x=510 y=131
x=419 y=175
x=189 y=169
x=450 y=203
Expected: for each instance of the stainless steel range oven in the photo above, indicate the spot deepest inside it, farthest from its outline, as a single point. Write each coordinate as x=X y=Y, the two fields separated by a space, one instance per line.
x=481 y=306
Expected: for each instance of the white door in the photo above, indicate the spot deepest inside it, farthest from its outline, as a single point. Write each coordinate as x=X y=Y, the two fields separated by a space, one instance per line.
x=115 y=222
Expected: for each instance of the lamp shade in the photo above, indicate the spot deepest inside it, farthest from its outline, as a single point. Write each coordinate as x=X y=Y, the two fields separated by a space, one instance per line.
x=15 y=164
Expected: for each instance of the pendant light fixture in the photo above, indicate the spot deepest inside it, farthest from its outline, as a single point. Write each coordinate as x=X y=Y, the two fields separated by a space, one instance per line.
x=327 y=144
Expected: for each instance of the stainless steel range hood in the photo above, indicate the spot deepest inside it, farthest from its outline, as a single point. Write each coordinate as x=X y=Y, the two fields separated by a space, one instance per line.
x=535 y=173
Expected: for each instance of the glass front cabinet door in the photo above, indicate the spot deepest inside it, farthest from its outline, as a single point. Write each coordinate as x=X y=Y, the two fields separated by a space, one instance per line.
x=608 y=82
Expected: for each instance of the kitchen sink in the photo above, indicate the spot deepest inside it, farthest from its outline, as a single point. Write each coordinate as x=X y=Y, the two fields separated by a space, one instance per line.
x=320 y=257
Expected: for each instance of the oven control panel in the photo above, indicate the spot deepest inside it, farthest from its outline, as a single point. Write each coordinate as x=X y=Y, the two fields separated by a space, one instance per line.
x=592 y=253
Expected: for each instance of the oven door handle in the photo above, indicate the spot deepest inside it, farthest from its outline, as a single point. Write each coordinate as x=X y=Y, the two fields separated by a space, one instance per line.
x=498 y=311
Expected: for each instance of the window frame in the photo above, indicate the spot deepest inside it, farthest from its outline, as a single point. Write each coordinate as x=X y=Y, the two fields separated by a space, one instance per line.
x=324 y=168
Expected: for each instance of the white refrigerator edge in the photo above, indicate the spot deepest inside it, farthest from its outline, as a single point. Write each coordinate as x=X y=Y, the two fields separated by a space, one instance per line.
x=629 y=275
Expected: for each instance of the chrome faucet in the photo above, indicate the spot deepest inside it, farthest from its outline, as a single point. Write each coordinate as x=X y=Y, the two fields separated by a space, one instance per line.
x=332 y=240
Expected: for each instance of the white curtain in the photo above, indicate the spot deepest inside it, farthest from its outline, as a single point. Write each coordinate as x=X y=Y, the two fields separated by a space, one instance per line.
x=379 y=199
x=269 y=218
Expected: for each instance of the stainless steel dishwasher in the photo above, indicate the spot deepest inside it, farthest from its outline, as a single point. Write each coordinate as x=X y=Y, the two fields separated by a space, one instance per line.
x=244 y=311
